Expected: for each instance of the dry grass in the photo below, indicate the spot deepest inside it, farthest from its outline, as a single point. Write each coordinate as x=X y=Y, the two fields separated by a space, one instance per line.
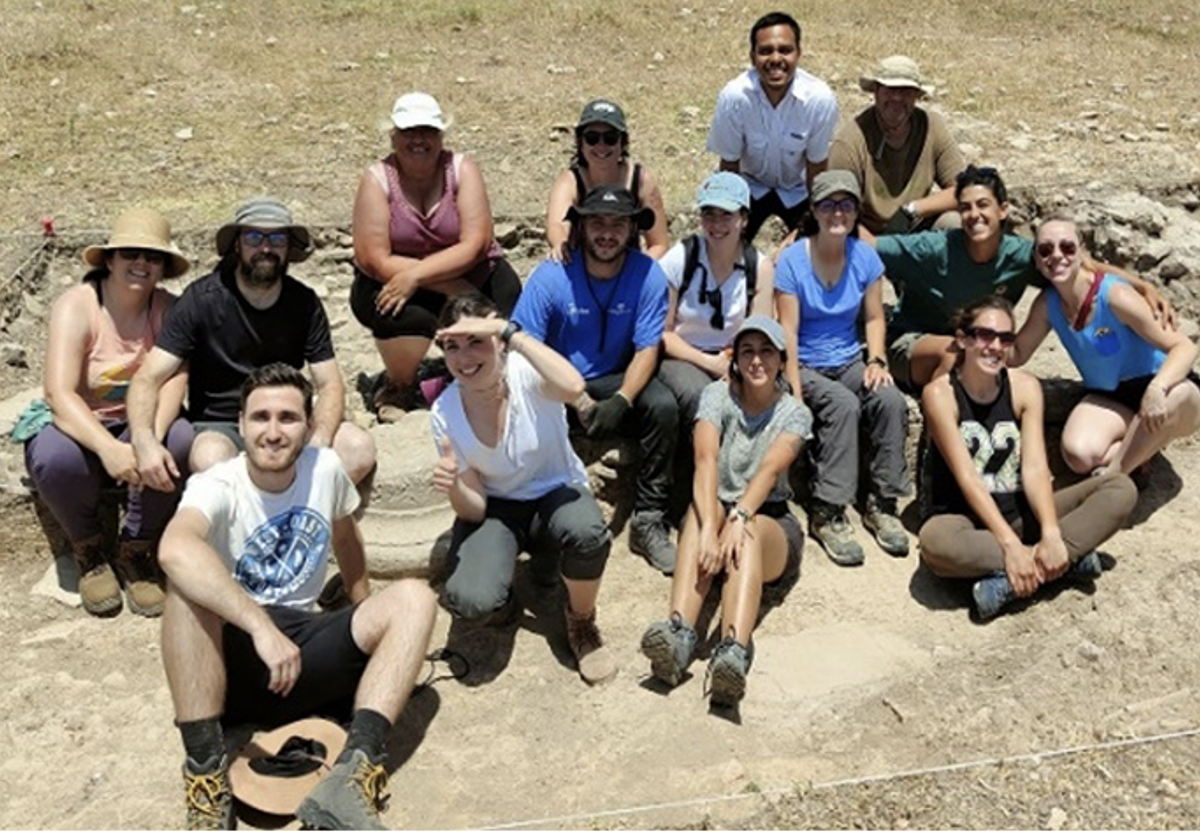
x=289 y=97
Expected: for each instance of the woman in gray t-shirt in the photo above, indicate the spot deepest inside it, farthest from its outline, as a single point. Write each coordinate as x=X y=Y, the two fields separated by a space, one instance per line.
x=748 y=431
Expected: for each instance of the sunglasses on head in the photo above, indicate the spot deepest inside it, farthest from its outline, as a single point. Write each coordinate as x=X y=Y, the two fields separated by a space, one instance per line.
x=274 y=238
x=829 y=205
x=152 y=257
x=608 y=138
x=1066 y=246
x=986 y=335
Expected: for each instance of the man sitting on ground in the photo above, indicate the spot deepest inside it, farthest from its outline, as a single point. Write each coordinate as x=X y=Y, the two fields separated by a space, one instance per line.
x=246 y=556
x=604 y=311
x=899 y=153
x=247 y=313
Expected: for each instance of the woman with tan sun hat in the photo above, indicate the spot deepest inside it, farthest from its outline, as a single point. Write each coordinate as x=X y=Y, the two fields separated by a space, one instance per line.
x=100 y=331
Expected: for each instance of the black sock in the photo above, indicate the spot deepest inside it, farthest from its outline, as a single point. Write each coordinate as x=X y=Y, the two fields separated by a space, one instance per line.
x=203 y=740
x=368 y=731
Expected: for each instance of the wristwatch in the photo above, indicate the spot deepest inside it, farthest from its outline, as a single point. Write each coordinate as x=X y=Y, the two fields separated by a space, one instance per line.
x=741 y=513
x=506 y=335
x=878 y=361
x=910 y=210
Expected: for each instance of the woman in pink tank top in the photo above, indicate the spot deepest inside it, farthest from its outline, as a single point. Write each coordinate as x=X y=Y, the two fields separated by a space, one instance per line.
x=100 y=331
x=422 y=233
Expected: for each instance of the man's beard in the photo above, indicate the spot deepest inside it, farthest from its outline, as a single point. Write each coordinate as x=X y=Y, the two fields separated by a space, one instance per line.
x=263 y=271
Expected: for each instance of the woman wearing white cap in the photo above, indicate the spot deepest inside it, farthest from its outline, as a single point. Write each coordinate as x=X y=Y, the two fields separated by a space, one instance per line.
x=748 y=432
x=422 y=233
x=100 y=332
x=826 y=280
x=716 y=280
x=602 y=157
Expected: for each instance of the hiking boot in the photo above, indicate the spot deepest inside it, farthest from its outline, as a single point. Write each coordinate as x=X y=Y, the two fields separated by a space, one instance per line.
x=595 y=661
x=1087 y=567
x=992 y=594
x=669 y=645
x=392 y=401
x=881 y=520
x=209 y=797
x=98 y=588
x=827 y=524
x=649 y=537
x=726 y=676
x=350 y=798
x=142 y=577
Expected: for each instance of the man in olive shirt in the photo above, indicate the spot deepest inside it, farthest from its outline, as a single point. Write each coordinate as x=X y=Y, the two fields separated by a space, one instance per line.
x=899 y=153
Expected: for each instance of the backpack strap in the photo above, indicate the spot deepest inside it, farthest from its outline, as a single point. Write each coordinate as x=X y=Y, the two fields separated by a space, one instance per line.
x=635 y=185
x=750 y=266
x=691 y=261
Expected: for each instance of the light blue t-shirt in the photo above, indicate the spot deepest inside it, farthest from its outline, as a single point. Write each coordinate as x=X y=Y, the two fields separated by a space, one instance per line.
x=1106 y=350
x=828 y=317
x=596 y=324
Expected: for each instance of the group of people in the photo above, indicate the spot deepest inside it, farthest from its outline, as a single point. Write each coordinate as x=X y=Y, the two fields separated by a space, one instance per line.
x=722 y=362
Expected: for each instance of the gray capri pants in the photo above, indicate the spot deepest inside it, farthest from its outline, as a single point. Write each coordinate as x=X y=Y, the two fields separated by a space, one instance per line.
x=565 y=524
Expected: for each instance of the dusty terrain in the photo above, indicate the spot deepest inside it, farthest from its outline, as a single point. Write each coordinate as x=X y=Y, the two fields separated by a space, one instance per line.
x=859 y=673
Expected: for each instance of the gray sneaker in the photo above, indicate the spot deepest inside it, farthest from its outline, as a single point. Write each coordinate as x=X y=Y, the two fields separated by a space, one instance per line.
x=827 y=524
x=1087 y=567
x=209 y=797
x=649 y=537
x=881 y=520
x=350 y=798
x=727 y=673
x=992 y=594
x=669 y=645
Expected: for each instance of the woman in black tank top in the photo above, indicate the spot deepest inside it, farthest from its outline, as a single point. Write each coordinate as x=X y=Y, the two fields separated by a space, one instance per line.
x=987 y=501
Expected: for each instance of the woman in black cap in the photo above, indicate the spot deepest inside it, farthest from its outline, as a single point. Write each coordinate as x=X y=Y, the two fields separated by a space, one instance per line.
x=602 y=157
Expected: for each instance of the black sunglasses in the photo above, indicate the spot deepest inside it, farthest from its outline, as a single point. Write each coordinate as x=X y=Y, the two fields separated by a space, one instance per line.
x=254 y=238
x=986 y=335
x=712 y=296
x=608 y=138
x=152 y=257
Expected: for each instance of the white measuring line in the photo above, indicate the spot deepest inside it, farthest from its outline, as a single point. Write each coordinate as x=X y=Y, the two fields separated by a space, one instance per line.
x=859 y=780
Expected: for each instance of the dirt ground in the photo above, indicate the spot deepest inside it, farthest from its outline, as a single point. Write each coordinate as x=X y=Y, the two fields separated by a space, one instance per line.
x=860 y=674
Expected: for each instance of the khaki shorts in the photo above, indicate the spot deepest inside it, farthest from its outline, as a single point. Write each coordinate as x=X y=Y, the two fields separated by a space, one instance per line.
x=899 y=359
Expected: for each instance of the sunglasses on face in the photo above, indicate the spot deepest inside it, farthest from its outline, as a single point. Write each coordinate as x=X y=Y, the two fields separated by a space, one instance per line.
x=1065 y=246
x=986 y=335
x=274 y=238
x=608 y=138
x=843 y=205
x=152 y=257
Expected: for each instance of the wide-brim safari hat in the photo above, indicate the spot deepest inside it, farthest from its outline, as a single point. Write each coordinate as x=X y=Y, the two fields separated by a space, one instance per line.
x=143 y=228
x=275 y=770
x=266 y=214
x=896 y=71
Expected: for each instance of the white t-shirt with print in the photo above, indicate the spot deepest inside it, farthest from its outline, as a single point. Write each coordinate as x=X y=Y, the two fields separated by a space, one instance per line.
x=533 y=455
x=693 y=319
x=276 y=545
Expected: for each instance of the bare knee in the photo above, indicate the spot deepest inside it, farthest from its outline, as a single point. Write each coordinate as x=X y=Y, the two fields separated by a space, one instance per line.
x=356 y=449
x=410 y=601
x=210 y=448
x=1083 y=456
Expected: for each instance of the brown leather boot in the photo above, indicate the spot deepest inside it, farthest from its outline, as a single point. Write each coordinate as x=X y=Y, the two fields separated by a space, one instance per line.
x=595 y=661
x=98 y=587
x=139 y=571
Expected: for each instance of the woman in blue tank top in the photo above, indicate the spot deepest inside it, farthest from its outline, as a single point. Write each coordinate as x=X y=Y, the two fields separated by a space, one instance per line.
x=1142 y=393
x=988 y=508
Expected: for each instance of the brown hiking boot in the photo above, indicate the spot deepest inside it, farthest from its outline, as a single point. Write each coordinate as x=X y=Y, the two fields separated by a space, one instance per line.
x=596 y=663
x=139 y=571
x=209 y=797
x=98 y=588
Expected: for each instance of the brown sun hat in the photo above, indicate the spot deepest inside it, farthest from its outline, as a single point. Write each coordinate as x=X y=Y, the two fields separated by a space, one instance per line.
x=275 y=770
x=144 y=228
x=266 y=214
x=896 y=71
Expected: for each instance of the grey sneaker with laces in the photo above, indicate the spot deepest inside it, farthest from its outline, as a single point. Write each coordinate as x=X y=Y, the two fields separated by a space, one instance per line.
x=669 y=645
x=350 y=798
x=881 y=520
x=209 y=797
x=727 y=673
x=827 y=524
x=650 y=538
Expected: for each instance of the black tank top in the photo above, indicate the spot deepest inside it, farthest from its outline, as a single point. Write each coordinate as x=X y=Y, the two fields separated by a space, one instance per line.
x=634 y=187
x=992 y=435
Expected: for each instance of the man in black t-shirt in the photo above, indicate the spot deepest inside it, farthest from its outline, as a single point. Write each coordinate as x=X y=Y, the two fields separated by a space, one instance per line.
x=245 y=314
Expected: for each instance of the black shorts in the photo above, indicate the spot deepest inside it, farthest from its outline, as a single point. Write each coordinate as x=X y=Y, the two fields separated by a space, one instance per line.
x=1129 y=393
x=419 y=316
x=331 y=666
x=781 y=512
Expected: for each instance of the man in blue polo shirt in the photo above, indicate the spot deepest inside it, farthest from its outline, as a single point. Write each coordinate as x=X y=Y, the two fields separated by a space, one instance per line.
x=604 y=310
